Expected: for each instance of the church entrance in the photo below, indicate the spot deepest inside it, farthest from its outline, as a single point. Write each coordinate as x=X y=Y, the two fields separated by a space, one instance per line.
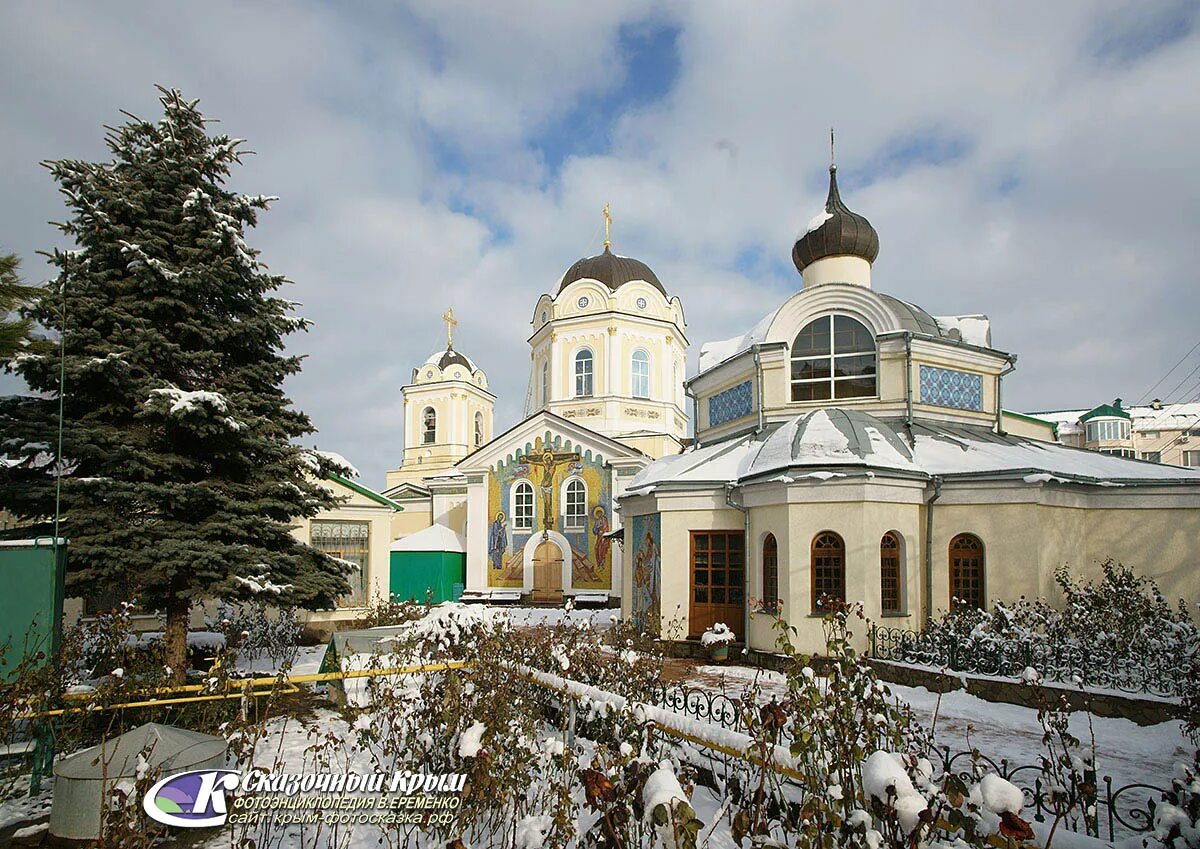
x=547 y=573
x=718 y=581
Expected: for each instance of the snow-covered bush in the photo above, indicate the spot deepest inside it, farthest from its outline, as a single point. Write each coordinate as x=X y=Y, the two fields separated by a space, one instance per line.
x=1177 y=814
x=255 y=631
x=1119 y=631
x=859 y=774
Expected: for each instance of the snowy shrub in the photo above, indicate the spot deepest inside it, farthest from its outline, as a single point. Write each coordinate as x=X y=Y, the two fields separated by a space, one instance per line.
x=1177 y=815
x=380 y=612
x=1119 y=631
x=254 y=631
x=859 y=773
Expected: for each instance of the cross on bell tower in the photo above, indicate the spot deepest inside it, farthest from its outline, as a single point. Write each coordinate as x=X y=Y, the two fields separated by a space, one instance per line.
x=451 y=323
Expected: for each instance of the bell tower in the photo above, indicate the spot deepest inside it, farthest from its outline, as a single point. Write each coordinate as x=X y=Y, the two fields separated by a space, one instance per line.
x=447 y=412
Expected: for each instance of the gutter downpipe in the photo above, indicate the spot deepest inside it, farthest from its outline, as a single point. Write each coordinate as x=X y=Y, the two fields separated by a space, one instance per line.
x=908 y=398
x=1012 y=366
x=759 y=380
x=937 y=493
x=729 y=487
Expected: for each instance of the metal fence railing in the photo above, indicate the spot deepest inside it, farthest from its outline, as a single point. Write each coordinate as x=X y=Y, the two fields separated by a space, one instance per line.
x=1161 y=675
x=1120 y=810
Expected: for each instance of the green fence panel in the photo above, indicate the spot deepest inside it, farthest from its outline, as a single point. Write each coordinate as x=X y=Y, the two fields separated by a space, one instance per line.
x=415 y=574
x=31 y=606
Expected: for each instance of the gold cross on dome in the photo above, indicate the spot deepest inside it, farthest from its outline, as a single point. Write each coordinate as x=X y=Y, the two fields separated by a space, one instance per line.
x=451 y=323
x=607 y=226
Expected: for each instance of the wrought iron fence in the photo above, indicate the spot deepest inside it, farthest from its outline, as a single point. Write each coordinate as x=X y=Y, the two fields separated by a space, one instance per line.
x=1097 y=807
x=1074 y=665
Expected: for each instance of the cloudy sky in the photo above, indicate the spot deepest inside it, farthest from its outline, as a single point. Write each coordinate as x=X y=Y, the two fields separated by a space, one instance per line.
x=1033 y=161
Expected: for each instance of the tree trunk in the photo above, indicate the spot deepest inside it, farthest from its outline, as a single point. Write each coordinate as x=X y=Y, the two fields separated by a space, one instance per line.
x=178 y=613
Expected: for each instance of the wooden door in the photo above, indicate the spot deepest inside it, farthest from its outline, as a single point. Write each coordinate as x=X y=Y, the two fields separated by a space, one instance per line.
x=718 y=581
x=547 y=573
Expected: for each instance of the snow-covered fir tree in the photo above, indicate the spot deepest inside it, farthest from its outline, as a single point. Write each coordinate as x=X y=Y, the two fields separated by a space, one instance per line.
x=14 y=331
x=180 y=476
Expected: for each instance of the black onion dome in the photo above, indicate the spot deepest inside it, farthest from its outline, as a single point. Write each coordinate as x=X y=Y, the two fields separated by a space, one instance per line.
x=843 y=233
x=611 y=269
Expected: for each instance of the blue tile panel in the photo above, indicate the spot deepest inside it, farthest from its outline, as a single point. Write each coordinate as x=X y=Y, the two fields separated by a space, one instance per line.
x=948 y=388
x=732 y=403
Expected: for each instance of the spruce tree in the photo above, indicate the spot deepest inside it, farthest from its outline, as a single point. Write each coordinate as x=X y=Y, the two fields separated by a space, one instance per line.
x=14 y=331
x=180 y=477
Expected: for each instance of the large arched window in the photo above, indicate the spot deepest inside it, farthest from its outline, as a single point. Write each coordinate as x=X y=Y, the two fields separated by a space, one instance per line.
x=545 y=383
x=640 y=377
x=967 y=585
x=890 y=584
x=828 y=568
x=478 y=429
x=833 y=357
x=583 y=374
x=522 y=508
x=429 y=426
x=575 y=505
x=770 y=575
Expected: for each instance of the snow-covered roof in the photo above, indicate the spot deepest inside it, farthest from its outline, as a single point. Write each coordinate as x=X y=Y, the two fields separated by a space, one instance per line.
x=972 y=329
x=448 y=357
x=169 y=747
x=714 y=353
x=833 y=442
x=434 y=538
x=1145 y=417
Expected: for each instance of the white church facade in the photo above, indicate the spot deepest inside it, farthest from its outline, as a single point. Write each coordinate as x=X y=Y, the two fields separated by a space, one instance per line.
x=849 y=446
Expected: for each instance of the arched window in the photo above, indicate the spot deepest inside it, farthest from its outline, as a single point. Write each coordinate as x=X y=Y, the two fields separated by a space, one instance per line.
x=967 y=572
x=890 y=586
x=522 y=508
x=828 y=568
x=545 y=383
x=583 y=374
x=575 y=505
x=478 y=429
x=770 y=575
x=833 y=357
x=429 y=426
x=640 y=378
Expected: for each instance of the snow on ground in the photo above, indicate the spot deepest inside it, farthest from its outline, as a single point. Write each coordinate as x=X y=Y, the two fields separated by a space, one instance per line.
x=1126 y=751
x=599 y=618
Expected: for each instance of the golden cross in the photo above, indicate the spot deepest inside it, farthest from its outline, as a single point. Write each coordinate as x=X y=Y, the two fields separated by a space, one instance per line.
x=607 y=226
x=451 y=323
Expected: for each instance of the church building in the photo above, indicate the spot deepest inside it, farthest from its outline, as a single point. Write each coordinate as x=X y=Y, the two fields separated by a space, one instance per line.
x=536 y=504
x=853 y=446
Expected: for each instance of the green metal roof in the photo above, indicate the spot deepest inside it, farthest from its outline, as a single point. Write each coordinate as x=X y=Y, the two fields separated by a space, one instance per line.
x=1106 y=411
x=364 y=491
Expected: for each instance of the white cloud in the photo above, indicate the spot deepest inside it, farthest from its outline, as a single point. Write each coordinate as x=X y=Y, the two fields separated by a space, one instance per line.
x=403 y=143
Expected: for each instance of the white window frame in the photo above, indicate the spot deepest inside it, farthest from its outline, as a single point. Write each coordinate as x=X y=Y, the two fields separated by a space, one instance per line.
x=545 y=383
x=588 y=375
x=1191 y=459
x=831 y=357
x=639 y=357
x=574 y=521
x=520 y=521
x=478 y=428
x=1107 y=430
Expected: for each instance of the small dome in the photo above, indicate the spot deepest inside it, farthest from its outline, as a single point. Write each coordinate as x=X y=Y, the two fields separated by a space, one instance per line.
x=836 y=232
x=449 y=357
x=611 y=269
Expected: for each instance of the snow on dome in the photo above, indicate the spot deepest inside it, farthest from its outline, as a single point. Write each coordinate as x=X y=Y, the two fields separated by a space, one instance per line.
x=434 y=538
x=449 y=357
x=834 y=438
x=972 y=329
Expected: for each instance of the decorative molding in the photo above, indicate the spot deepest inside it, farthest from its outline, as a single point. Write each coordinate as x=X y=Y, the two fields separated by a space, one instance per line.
x=945 y=387
x=641 y=414
x=581 y=413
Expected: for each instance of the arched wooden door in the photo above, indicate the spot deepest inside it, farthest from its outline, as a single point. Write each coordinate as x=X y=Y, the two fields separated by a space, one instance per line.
x=967 y=572
x=547 y=573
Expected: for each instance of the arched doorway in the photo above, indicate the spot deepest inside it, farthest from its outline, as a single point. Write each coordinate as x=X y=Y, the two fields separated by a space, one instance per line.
x=967 y=576
x=547 y=573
